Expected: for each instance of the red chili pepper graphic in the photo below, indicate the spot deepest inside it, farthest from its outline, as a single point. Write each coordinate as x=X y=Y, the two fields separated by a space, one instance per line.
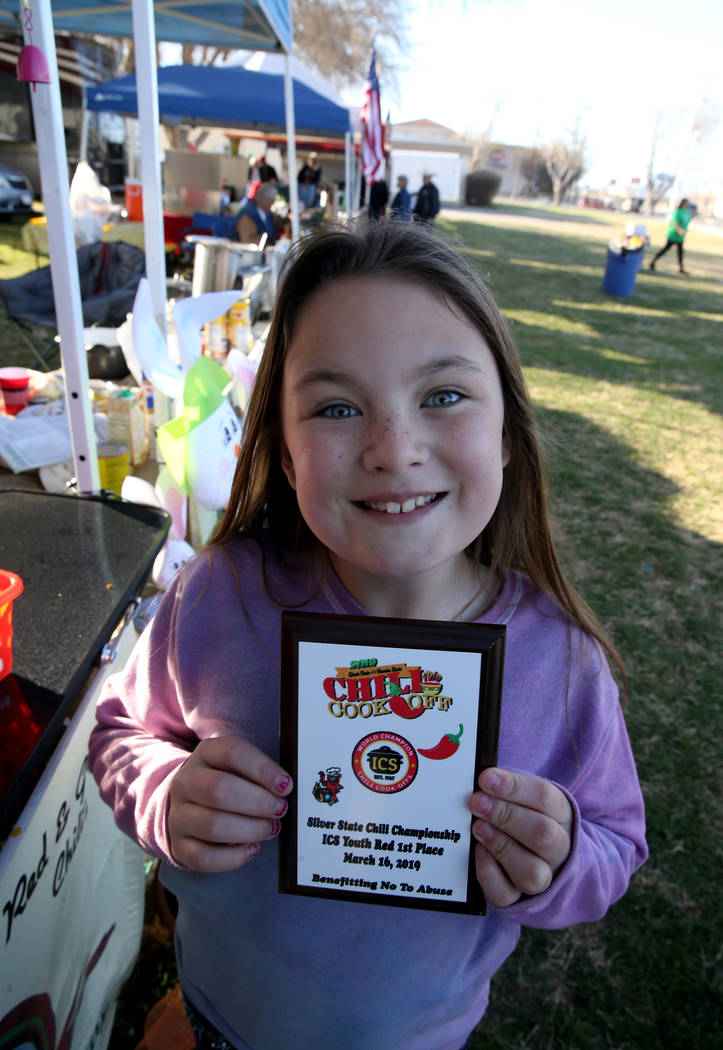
x=446 y=746
x=399 y=706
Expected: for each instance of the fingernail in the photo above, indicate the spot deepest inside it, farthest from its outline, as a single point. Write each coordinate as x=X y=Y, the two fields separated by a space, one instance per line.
x=275 y=827
x=492 y=781
x=253 y=849
x=282 y=784
x=282 y=807
x=487 y=832
x=485 y=803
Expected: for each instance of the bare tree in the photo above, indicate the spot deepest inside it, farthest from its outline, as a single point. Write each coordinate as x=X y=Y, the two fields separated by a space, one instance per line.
x=334 y=36
x=565 y=163
x=533 y=168
x=657 y=183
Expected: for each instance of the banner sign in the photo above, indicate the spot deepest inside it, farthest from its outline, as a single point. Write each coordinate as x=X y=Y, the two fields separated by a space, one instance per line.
x=72 y=896
x=386 y=725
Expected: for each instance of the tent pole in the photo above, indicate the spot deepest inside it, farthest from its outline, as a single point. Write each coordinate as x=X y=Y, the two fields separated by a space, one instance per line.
x=291 y=147
x=53 y=162
x=347 y=174
x=84 y=120
x=144 y=35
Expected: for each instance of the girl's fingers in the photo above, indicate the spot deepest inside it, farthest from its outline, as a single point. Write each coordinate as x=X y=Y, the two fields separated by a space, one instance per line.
x=226 y=792
x=199 y=856
x=225 y=799
x=217 y=827
x=528 y=791
x=528 y=810
x=525 y=871
x=237 y=755
x=497 y=888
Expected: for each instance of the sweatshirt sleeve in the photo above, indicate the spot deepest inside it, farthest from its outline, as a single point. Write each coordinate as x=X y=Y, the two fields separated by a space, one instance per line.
x=141 y=737
x=608 y=838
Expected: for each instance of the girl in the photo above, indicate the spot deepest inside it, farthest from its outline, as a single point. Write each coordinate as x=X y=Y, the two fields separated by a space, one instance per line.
x=677 y=230
x=390 y=466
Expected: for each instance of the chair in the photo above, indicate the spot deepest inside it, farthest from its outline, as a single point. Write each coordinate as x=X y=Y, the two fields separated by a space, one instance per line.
x=214 y=225
x=109 y=275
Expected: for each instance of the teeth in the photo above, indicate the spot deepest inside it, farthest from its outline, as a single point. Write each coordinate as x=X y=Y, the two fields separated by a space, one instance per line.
x=402 y=508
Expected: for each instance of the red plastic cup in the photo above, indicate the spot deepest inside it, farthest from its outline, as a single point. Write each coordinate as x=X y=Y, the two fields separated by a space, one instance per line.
x=10 y=587
x=15 y=387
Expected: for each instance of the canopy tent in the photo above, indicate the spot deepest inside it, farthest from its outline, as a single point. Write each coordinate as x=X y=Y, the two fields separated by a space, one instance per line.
x=249 y=24
x=262 y=25
x=229 y=96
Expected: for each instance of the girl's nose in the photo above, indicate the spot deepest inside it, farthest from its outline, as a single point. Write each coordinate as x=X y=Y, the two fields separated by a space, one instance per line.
x=393 y=445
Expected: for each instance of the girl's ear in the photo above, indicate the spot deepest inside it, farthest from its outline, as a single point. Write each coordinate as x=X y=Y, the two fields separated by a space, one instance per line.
x=287 y=464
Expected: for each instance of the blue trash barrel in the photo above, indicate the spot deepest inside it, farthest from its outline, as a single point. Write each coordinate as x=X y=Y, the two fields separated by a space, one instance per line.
x=621 y=271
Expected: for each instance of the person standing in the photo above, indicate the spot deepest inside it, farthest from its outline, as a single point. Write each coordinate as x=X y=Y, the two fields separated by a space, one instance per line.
x=676 y=233
x=402 y=203
x=378 y=199
x=426 y=207
x=309 y=177
x=255 y=218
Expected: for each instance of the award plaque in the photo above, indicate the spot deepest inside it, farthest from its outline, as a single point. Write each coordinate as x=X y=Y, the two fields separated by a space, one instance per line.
x=385 y=727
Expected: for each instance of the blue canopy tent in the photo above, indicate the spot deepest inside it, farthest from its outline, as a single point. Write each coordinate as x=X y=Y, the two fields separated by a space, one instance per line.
x=263 y=25
x=228 y=96
x=257 y=25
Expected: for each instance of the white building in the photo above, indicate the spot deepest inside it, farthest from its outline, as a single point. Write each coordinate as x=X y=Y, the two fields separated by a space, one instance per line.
x=419 y=145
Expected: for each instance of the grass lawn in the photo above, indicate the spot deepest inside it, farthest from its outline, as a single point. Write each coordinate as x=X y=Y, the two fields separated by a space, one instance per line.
x=629 y=397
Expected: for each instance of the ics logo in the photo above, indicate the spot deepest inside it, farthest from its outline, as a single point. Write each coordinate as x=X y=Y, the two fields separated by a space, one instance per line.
x=384 y=762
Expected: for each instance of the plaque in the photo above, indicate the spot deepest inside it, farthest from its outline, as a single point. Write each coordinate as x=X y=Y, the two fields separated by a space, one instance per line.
x=385 y=727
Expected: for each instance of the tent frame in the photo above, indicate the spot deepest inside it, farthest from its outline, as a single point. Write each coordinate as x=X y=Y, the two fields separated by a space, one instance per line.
x=53 y=161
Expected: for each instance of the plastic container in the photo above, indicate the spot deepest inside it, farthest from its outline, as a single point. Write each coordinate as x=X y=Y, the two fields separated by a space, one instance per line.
x=15 y=389
x=134 y=199
x=114 y=465
x=620 y=272
x=10 y=587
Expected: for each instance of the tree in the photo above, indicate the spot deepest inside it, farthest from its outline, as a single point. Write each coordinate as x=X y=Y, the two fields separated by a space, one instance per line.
x=565 y=163
x=534 y=170
x=334 y=36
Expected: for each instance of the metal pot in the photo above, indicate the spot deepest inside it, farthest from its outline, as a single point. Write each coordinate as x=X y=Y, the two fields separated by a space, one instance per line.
x=217 y=262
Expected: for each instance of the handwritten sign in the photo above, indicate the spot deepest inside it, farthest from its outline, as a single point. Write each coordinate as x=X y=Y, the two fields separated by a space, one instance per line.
x=385 y=726
x=71 y=893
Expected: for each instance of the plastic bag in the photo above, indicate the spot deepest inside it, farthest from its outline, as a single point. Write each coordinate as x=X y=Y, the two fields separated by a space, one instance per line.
x=90 y=204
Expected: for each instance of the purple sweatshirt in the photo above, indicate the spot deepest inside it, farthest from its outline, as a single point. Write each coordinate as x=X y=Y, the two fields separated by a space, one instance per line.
x=275 y=971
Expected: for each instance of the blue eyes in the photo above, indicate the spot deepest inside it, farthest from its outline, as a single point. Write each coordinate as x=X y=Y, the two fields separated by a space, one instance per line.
x=438 y=399
x=338 y=411
x=441 y=398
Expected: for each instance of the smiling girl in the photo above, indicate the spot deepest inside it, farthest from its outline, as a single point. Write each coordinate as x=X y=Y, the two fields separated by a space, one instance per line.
x=389 y=467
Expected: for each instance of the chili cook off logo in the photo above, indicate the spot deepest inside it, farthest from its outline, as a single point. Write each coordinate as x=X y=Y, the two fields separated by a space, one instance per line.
x=384 y=762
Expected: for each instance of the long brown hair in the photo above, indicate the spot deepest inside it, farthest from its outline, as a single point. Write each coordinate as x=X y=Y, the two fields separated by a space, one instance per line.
x=518 y=535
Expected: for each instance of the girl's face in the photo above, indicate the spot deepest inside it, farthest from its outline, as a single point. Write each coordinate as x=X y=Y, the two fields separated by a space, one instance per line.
x=392 y=436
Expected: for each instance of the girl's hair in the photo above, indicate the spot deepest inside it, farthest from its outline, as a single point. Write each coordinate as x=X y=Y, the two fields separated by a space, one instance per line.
x=518 y=535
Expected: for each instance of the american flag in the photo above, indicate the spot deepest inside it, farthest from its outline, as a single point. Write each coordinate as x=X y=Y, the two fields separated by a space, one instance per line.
x=371 y=117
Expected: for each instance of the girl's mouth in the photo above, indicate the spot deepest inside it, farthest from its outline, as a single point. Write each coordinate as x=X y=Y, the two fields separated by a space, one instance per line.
x=413 y=503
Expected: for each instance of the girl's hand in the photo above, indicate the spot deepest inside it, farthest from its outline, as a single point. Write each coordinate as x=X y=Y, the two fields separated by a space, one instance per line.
x=523 y=834
x=224 y=800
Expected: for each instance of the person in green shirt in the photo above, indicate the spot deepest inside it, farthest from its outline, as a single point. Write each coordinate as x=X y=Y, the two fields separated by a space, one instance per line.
x=676 y=233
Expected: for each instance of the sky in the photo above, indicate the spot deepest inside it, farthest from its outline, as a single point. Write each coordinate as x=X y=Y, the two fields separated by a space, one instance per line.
x=530 y=69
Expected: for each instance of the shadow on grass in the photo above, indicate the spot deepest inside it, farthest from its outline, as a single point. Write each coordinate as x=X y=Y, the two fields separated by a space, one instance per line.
x=551 y=290
x=549 y=214
x=646 y=976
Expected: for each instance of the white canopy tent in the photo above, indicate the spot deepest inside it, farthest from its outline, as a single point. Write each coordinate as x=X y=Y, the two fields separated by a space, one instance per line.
x=249 y=24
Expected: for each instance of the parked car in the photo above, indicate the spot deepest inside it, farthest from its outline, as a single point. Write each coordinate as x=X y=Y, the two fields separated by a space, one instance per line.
x=16 y=192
